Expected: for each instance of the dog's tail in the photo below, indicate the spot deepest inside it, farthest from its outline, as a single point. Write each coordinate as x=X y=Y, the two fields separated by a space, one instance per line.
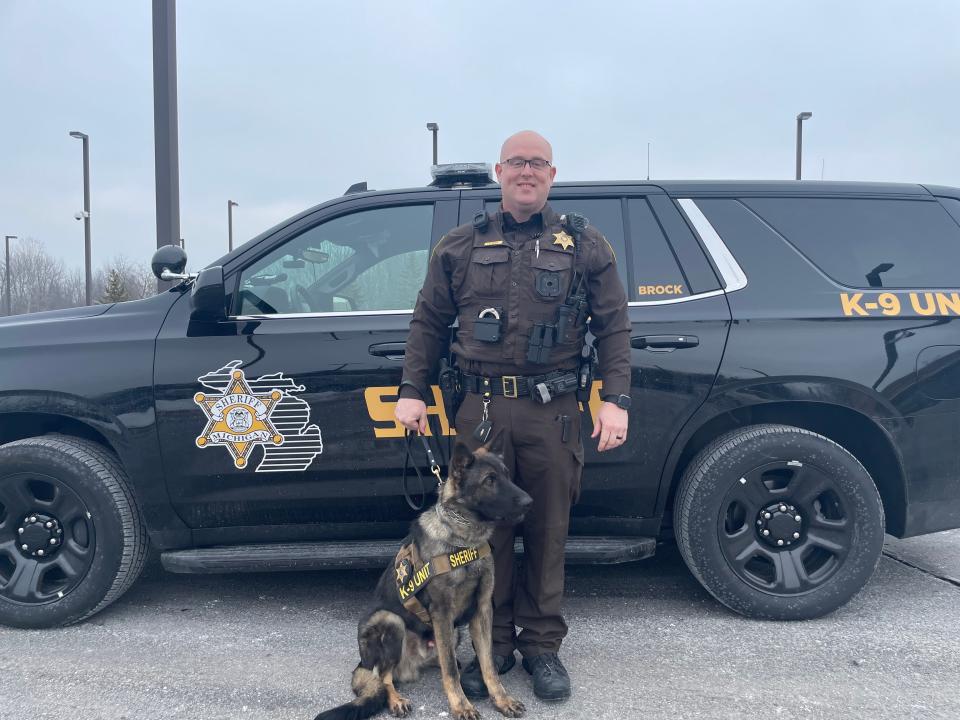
x=371 y=698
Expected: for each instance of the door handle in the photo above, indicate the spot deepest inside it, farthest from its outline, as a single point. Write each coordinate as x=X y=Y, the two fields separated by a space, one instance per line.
x=663 y=343
x=389 y=350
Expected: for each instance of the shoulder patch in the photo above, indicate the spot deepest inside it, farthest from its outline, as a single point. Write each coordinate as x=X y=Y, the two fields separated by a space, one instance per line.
x=435 y=247
x=460 y=232
x=612 y=251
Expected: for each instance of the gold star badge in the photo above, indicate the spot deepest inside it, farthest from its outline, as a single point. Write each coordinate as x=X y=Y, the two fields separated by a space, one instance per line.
x=562 y=239
x=239 y=419
x=403 y=571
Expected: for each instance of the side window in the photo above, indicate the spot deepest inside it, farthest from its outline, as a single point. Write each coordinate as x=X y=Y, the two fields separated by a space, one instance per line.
x=656 y=272
x=953 y=207
x=368 y=260
x=603 y=213
x=869 y=242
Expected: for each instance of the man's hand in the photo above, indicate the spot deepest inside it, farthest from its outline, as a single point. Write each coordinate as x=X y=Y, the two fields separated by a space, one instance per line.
x=610 y=425
x=412 y=414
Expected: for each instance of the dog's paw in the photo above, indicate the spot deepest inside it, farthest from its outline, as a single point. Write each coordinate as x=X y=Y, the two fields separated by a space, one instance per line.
x=400 y=707
x=510 y=707
x=466 y=712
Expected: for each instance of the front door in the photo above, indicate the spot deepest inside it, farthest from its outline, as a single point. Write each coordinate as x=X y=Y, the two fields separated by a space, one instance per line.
x=278 y=420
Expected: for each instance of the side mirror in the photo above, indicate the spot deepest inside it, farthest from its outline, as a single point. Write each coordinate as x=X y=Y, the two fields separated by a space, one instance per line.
x=169 y=259
x=208 y=297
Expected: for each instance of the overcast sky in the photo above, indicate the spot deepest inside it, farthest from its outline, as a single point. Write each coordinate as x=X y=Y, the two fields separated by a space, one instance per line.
x=282 y=105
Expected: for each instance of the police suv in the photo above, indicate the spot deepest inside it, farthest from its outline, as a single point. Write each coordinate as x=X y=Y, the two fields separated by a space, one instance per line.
x=795 y=384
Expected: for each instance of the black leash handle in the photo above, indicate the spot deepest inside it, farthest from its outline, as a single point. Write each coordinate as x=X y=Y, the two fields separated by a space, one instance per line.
x=434 y=467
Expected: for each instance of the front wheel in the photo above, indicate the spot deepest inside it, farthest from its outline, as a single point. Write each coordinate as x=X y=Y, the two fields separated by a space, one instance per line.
x=71 y=536
x=778 y=522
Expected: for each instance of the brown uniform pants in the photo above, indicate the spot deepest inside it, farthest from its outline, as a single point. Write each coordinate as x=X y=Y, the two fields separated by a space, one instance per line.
x=548 y=469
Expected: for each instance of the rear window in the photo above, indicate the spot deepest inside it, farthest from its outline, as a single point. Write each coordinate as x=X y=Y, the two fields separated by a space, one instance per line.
x=656 y=273
x=869 y=242
x=953 y=207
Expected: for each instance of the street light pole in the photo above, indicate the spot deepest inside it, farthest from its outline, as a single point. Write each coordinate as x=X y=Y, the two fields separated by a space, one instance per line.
x=800 y=118
x=230 y=206
x=433 y=127
x=86 y=210
x=6 y=282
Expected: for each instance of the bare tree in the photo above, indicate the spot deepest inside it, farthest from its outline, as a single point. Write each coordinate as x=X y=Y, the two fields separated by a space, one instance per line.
x=39 y=281
x=75 y=287
x=36 y=279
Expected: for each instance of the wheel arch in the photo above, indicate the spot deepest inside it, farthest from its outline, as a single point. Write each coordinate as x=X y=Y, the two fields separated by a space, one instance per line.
x=854 y=430
x=20 y=425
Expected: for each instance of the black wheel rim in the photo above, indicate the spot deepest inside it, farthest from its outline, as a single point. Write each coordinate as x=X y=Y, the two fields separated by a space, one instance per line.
x=785 y=527
x=47 y=540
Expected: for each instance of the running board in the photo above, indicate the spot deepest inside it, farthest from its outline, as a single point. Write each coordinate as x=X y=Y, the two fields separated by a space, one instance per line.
x=339 y=555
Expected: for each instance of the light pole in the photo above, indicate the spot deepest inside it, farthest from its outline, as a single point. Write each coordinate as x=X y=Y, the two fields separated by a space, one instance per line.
x=6 y=282
x=433 y=127
x=86 y=209
x=800 y=118
x=230 y=206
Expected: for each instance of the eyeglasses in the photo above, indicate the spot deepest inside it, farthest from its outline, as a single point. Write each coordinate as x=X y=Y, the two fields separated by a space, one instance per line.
x=517 y=163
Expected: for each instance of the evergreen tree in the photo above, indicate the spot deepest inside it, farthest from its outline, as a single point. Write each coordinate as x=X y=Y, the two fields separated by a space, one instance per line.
x=115 y=289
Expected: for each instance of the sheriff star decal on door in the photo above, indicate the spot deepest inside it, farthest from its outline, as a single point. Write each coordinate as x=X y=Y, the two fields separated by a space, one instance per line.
x=244 y=414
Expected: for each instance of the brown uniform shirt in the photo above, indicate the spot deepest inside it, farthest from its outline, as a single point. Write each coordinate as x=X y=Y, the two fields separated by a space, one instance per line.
x=471 y=270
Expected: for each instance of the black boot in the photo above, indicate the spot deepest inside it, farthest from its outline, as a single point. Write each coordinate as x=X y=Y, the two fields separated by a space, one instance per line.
x=550 y=678
x=471 y=679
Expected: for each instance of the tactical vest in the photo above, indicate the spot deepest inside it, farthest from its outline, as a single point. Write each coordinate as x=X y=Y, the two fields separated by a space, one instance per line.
x=413 y=575
x=524 y=286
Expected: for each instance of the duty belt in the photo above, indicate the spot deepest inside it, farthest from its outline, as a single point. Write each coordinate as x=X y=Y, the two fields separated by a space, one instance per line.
x=412 y=574
x=510 y=386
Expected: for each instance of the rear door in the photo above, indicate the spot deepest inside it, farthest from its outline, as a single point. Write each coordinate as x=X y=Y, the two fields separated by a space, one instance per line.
x=872 y=280
x=679 y=319
x=278 y=423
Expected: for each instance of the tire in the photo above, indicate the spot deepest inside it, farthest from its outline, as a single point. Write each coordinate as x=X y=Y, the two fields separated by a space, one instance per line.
x=68 y=500
x=764 y=477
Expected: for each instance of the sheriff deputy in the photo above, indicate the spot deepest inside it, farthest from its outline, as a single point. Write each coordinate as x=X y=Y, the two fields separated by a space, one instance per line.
x=513 y=279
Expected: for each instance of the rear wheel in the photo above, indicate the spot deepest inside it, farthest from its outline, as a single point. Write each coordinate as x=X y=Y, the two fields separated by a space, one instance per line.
x=71 y=537
x=778 y=522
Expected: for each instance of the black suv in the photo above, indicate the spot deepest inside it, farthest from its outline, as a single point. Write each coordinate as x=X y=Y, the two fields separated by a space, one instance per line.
x=796 y=386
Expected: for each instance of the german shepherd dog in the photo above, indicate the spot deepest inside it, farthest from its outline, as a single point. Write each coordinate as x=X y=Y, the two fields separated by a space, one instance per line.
x=394 y=642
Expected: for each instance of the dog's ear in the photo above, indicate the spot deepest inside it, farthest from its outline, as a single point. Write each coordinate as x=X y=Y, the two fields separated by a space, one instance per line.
x=462 y=458
x=495 y=444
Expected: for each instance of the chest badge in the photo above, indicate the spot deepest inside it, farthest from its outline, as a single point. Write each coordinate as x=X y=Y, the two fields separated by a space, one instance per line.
x=563 y=240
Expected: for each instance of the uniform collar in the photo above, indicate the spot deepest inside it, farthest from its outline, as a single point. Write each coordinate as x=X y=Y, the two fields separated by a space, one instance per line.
x=509 y=224
x=537 y=222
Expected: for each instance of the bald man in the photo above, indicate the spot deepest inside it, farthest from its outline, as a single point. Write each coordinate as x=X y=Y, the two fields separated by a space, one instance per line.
x=508 y=277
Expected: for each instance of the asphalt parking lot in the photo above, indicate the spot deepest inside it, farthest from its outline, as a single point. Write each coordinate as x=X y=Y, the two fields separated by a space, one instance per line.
x=645 y=642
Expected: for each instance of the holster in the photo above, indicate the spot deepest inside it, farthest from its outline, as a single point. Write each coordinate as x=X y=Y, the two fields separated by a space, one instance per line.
x=586 y=372
x=451 y=390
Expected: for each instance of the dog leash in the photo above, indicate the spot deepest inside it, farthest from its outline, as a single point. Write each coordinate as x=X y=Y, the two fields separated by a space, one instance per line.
x=431 y=460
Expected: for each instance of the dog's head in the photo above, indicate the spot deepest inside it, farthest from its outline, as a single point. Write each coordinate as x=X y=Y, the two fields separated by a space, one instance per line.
x=479 y=484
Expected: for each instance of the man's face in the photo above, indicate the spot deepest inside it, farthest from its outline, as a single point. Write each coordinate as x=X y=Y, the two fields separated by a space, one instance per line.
x=525 y=189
